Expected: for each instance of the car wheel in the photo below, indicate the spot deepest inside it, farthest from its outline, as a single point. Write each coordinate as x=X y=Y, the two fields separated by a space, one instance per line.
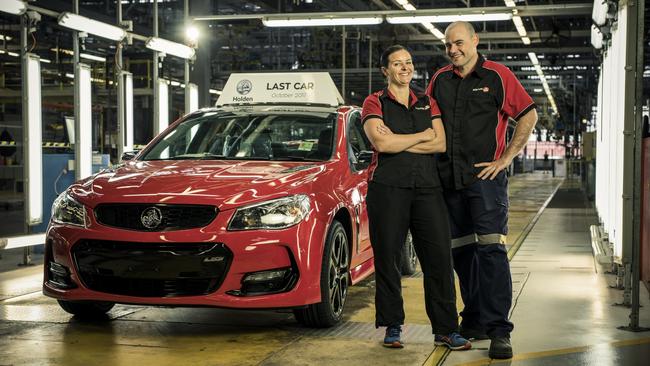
x=87 y=309
x=334 y=282
x=409 y=257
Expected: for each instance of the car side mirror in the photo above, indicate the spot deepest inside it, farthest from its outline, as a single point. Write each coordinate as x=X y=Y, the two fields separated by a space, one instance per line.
x=129 y=155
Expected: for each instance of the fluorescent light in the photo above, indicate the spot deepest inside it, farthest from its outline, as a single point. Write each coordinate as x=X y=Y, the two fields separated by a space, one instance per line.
x=88 y=56
x=170 y=48
x=16 y=7
x=83 y=123
x=5 y=38
x=533 y=58
x=526 y=40
x=596 y=37
x=509 y=3
x=448 y=18
x=128 y=110
x=32 y=123
x=22 y=241
x=191 y=98
x=409 y=7
x=83 y=24
x=538 y=90
x=163 y=105
x=214 y=91
x=320 y=21
x=599 y=12
x=403 y=2
x=441 y=36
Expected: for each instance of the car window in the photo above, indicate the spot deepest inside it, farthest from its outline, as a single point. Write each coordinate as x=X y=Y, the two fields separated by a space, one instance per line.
x=359 y=148
x=246 y=135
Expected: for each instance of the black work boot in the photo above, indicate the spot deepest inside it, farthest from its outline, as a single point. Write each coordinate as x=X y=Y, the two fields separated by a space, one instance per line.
x=500 y=348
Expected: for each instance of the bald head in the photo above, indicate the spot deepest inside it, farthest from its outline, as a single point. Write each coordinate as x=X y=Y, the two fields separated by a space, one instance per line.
x=466 y=26
x=460 y=43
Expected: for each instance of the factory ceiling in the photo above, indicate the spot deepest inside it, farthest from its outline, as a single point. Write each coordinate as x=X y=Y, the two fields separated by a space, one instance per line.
x=560 y=39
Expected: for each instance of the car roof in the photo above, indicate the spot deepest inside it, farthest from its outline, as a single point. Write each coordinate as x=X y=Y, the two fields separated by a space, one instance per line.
x=274 y=108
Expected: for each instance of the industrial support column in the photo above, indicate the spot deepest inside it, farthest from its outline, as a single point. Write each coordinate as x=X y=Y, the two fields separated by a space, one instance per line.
x=186 y=74
x=121 y=110
x=27 y=251
x=632 y=142
x=202 y=71
x=156 y=99
x=343 y=37
x=370 y=65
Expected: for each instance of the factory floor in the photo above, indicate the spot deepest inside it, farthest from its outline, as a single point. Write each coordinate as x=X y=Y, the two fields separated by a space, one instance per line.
x=563 y=311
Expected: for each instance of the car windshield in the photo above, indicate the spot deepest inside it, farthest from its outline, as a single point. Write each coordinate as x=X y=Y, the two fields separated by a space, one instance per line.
x=282 y=136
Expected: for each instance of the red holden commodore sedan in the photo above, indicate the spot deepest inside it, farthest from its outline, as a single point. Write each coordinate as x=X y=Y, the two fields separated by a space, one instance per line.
x=256 y=203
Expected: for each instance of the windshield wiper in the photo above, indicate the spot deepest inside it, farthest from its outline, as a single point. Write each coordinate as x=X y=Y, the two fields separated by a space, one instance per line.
x=204 y=156
x=297 y=158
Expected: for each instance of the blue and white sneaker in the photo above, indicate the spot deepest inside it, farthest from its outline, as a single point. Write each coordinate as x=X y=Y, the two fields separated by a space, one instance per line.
x=392 y=338
x=454 y=341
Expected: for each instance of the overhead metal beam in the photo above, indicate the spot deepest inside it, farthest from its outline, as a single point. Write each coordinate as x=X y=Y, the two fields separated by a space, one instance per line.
x=513 y=51
x=523 y=11
x=487 y=36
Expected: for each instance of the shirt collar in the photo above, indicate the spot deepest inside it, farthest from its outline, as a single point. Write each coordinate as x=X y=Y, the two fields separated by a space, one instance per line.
x=413 y=98
x=478 y=68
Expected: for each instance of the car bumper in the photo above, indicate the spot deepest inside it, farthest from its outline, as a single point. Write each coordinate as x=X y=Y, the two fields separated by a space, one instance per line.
x=120 y=252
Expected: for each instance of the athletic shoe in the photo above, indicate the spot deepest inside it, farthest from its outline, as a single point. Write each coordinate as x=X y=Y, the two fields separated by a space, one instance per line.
x=392 y=338
x=453 y=340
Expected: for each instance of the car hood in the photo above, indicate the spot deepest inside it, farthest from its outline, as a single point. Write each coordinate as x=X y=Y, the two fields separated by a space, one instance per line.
x=225 y=184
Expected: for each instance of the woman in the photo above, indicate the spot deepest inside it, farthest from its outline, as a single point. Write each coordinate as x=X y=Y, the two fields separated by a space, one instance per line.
x=404 y=193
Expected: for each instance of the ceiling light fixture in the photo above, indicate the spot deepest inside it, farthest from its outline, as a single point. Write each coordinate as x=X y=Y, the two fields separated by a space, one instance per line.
x=83 y=24
x=482 y=17
x=170 y=48
x=319 y=22
x=16 y=7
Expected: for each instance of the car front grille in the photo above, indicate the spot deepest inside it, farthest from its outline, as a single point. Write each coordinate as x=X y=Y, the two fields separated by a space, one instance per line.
x=172 y=217
x=151 y=269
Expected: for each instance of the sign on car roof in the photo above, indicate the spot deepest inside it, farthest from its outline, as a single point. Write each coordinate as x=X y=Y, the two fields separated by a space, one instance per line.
x=280 y=88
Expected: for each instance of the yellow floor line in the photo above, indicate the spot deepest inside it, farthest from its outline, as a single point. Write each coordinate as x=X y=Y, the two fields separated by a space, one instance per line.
x=520 y=239
x=439 y=355
x=555 y=352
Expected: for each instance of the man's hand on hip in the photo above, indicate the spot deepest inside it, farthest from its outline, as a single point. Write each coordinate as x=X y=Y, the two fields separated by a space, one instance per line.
x=491 y=169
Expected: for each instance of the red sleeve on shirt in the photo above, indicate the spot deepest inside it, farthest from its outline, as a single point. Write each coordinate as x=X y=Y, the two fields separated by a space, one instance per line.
x=371 y=108
x=435 y=110
x=516 y=101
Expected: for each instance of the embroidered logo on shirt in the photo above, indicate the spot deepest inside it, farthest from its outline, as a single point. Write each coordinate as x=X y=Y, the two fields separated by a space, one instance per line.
x=484 y=89
x=422 y=108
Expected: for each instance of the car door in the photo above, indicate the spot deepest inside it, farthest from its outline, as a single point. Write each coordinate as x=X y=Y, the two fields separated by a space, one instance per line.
x=359 y=157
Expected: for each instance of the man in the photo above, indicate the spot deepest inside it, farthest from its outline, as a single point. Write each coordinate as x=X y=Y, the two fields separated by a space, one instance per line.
x=476 y=98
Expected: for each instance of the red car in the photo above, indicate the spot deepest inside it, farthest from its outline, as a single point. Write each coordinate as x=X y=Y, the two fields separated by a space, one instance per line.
x=256 y=203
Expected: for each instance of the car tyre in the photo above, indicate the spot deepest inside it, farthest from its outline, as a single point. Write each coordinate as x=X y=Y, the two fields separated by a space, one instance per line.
x=87 y=309
x=409 y=257
x=334 y=282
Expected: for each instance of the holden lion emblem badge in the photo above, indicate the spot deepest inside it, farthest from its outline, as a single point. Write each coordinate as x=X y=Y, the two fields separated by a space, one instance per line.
x=151 y=217
x=244 y=87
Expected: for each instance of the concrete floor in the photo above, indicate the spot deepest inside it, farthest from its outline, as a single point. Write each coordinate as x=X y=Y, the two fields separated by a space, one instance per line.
x=562 y=314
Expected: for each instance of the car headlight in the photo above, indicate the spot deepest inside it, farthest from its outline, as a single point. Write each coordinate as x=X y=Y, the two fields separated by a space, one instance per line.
x=66 y=210
x=275 y=214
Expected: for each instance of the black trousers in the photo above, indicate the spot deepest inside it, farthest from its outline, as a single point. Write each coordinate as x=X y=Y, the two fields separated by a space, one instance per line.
x=392 y=211
x=479 y=223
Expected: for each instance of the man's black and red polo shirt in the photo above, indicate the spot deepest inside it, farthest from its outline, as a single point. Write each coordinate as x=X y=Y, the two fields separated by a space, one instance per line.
x=475 y=112
x=403 y=169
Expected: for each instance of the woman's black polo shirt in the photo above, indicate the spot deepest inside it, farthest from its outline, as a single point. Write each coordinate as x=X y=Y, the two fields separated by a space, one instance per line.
x=403 y=169
x=475 y=112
